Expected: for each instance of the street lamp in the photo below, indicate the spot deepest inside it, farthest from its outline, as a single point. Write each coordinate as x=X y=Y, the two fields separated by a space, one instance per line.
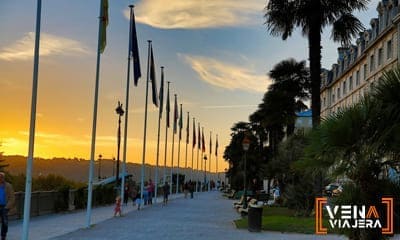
x=120 y=113
x=205 y=175
x=225 y=179
x=99 y=174
x=245 y=145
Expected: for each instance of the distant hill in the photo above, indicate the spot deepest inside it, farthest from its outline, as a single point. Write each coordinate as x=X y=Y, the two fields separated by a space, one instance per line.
x=77 y=169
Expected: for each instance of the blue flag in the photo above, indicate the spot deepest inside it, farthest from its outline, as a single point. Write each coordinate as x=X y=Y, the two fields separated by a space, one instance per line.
x=153 y=78
x=134 y=50
x=161 y=94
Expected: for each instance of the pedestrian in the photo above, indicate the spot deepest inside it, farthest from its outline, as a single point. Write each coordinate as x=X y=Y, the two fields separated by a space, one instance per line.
x=146 y=193
x=151 y=191
x=126 y=193
x=7 y=204
x=186 y=189
x=117 y=209
x=191 y=188
x=276 y=192
x=165 y=193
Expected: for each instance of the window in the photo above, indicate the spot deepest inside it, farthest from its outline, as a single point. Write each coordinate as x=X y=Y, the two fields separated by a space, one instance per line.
x=357 y=78
x=333 y=98
x=324 y=101
x=344 y=88
x=380 y=56
x=371 y=63
x=338 y=93
x=365 y=71
x=389 y=49
x=351 y=83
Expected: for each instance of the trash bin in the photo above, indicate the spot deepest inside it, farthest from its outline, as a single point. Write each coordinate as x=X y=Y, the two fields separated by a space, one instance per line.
x=255 y=217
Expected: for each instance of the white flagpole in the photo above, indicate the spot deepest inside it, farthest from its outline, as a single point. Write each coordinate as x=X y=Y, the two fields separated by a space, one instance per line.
x=187 y=142
x=209 y=166
x=93 y=144
x=216 y=158
x=28 y=182
x=197 y=174
x=145 y=125
x=172 y=154
x=179 y=153
x=126 y=110
x=158 y=145
x=191 y=175
x=166 y=137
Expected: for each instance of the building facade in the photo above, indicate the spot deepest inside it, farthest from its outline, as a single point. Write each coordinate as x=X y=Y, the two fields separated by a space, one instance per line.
x=361 y=65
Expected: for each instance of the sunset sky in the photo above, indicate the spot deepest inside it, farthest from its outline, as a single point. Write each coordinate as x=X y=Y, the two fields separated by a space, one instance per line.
x=216 y=55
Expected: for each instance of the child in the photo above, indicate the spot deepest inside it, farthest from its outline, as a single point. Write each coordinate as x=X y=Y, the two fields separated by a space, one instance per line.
x=117 y=209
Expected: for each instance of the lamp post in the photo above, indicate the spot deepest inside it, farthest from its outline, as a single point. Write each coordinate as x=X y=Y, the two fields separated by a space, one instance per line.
x=225 y=178
x=205 y=174
x=120 y=113
x=99 y=174
x=245 y=145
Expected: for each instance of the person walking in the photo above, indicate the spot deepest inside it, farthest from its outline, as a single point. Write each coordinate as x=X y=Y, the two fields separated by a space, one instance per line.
x=191 y=186
x=7 y=204
x=165 y=193
x=151 y=191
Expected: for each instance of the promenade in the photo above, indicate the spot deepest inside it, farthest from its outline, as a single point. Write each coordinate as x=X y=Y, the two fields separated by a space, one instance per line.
x=207 y=216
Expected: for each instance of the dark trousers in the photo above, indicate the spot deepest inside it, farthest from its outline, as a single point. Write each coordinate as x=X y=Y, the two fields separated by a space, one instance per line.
x=4 y=221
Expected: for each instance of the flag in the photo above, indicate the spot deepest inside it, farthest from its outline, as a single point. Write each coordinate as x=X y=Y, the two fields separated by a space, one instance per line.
x=199 y=137
x=216 y=147
x=180 y=124
x=161 y=94
x=134 y=50
x=175 y=114
x=167 y=107
x=187 y=129
x=153 y=77
x=203 y=145
x=194 y=133
x=104 y=24
x=210 y=145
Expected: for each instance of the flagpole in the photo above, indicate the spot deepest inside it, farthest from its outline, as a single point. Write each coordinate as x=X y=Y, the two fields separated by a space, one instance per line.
x=166 y=136
x=197 y=174
x=28 y=182
x=172 y=154
x=209 y=166
x=202 y=158
x=216 y=157
x=158 y=136
x=179 y=150
x=145 y=125
x=126 y=109
x=186 y=148
x=194 y=137
x=94 y=125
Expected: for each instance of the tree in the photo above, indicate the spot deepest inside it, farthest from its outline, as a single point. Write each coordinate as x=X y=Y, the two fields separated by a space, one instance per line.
x=312 y=16
x=2 y=165
x=291 y=79
x=360 y=142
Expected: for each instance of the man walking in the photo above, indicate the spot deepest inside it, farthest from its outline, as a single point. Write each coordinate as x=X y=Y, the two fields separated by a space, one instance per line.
x=7 y=204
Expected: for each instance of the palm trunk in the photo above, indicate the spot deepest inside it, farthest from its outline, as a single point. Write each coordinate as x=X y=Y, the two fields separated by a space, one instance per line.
x=314 y=38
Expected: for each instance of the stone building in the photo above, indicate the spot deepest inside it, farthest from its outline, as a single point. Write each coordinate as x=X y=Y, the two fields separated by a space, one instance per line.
x=359 y=66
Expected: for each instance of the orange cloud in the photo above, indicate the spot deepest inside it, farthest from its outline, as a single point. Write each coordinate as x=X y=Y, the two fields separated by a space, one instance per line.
x=192 y=14
x=227 y=75
x=50 y=44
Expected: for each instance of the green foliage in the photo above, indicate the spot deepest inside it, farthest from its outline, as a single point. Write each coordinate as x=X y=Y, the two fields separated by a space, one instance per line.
x=282 y=220
x=80 y=200
x=62 y=201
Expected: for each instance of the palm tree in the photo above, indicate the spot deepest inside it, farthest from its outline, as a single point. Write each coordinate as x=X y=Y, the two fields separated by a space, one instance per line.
x=291 y=78
x=312 y=16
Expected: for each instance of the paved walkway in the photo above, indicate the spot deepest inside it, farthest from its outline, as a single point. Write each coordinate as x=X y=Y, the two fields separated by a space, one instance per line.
x=207 y=216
